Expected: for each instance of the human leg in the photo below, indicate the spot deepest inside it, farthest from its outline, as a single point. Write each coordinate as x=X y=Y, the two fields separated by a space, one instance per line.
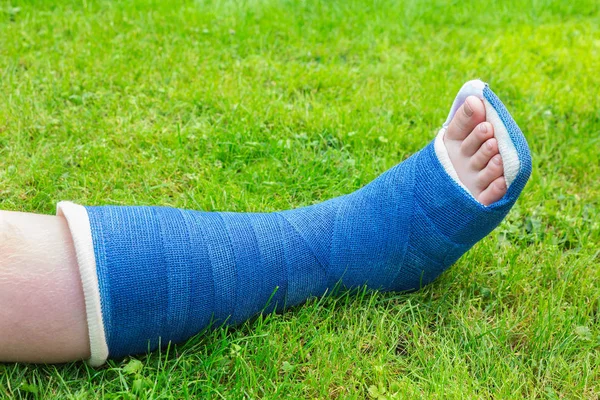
x=153 y=274
x=42 y=311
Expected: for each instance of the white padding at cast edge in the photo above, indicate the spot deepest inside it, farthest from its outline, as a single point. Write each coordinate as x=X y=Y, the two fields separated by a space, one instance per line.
x=79 y=225
x=508 y=151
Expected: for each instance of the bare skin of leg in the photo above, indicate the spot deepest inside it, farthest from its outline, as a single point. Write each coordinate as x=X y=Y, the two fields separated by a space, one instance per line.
x=42 y=310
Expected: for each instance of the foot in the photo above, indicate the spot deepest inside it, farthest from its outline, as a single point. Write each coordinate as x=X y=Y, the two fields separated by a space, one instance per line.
x=474 y=153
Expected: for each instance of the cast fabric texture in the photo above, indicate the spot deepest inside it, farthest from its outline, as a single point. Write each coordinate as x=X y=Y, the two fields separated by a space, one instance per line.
x=154 y=275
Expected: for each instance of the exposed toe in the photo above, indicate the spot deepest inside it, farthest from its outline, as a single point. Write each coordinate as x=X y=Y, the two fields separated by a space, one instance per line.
x=493 y=192
x=476 y=138
x=473 y=151
x=471 y=113
x=483 y=156
x=492 y=171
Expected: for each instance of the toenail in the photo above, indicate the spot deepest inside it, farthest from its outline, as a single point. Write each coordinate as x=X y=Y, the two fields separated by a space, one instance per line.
x=497 y=160
x=468 y=109
x=501 y=185
x=483 y=128
x=489 y=144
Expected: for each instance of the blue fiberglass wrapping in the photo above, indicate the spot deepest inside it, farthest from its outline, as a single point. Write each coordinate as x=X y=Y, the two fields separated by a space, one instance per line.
x=165 y=274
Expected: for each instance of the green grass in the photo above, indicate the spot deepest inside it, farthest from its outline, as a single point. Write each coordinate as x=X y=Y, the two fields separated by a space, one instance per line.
x=267 y=105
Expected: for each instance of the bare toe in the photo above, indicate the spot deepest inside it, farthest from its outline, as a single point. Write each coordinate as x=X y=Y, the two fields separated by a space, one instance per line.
x=471 y=113
x=492 y=171
x=476 y=138
x=485 y=153
x=494 y=192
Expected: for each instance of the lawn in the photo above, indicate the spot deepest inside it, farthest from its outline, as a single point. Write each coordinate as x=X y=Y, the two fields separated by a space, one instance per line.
x=264 y=105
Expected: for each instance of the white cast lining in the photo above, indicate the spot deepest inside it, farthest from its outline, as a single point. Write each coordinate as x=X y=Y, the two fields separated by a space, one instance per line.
x=510 y=157
x=79 y=225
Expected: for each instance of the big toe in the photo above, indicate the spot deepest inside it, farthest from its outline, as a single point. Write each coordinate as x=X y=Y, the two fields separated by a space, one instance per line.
x=466 y=118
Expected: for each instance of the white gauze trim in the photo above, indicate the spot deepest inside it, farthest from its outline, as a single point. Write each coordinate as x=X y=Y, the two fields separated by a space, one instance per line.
x=508 y=151
x=510 y=157
x=79 y=225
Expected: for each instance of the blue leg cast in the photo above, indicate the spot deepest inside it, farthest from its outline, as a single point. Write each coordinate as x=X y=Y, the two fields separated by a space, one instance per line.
x=155 y=274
